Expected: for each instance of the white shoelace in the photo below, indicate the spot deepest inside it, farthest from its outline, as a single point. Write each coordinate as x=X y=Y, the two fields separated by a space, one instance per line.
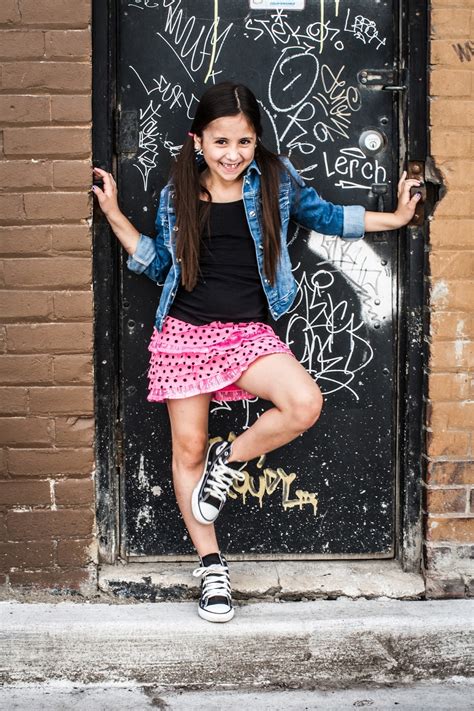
x=221 y=479
x=216 y=581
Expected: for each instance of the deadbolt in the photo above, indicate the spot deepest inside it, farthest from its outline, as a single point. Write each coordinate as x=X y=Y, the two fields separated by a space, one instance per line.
x=372 y=141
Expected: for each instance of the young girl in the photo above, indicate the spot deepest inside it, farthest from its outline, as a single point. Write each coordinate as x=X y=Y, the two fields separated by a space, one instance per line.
x=221 y=251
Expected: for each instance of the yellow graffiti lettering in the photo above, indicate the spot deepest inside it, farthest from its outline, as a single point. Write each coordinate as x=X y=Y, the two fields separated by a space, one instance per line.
x=267 y=482
x=214 y=41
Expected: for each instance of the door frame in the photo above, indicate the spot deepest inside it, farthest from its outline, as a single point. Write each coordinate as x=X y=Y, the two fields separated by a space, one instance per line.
x=412 y=292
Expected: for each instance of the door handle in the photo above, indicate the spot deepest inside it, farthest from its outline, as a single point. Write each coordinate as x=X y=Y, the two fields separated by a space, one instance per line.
x=416 y=169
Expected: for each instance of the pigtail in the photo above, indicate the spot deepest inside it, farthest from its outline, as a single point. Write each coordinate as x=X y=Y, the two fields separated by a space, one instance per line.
x=189 y=215
x=271 y=169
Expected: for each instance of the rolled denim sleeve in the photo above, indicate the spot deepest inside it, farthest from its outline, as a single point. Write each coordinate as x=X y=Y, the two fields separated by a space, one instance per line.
x=152 y=257
x=311 y=211
x=353 y=226
x=143 y=256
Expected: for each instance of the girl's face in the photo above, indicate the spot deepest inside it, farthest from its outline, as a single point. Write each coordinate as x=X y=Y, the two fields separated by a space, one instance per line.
x=228 y=146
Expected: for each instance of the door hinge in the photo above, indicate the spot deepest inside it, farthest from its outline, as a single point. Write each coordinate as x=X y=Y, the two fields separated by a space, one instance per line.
x=382 y=79
x=125 y=131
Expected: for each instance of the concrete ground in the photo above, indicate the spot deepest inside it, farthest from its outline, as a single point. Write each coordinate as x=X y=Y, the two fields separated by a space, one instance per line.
x=456 y=694
x=266 y=580
x=326 y=654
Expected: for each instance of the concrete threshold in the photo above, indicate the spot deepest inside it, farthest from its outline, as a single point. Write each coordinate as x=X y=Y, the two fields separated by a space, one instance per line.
x=300 y=645
x=271 y=580
x=456 y=693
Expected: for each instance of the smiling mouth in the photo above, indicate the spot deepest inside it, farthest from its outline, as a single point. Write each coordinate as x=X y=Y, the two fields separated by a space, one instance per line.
x=230 y=166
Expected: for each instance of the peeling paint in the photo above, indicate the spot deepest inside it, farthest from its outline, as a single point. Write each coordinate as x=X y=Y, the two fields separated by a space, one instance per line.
x=439 y=291
x=144 y=516
x=363 y=270
x=141 y=476
x=460 y=329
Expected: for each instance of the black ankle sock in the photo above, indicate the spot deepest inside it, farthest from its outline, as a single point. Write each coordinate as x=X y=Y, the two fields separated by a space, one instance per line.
x=211 y=558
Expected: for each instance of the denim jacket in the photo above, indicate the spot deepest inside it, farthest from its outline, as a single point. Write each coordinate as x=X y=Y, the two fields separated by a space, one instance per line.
x=157 y=257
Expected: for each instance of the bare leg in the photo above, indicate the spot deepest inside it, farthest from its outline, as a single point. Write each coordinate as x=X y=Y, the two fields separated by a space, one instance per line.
x=298 y=401
x=189 y=427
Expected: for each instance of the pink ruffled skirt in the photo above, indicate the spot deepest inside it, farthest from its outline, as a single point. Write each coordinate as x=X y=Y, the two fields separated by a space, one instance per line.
x=189 y=360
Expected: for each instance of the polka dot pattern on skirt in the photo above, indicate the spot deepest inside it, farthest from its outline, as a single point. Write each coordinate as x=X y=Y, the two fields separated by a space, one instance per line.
x=189 y=360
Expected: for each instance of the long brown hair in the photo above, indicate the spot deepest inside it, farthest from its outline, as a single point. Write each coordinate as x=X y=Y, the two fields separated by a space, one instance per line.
x=223 y=99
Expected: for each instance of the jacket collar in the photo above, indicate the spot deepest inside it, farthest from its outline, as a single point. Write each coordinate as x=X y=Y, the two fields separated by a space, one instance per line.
x=253 y=167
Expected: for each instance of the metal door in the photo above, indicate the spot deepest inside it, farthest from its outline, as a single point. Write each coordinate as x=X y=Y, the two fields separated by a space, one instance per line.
x=326 y=75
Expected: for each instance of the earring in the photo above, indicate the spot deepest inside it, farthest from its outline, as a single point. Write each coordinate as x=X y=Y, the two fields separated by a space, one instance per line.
x=198 y=152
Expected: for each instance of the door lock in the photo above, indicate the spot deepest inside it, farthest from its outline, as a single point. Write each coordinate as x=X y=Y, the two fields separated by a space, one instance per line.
x=372 y=141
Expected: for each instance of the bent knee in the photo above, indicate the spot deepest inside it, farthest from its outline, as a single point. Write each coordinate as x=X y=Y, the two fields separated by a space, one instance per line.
x=189 y=452
x=306 y=409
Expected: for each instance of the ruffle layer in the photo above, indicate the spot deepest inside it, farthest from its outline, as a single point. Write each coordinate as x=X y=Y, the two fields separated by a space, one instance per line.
x=222 y=385
x=189 y=360
x=201 y=339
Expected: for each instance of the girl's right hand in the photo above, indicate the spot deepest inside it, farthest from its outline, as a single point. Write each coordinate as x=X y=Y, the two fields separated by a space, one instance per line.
x=107 y=196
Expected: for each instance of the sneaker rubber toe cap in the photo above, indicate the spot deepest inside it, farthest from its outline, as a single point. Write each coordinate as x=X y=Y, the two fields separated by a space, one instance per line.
x=208 y=511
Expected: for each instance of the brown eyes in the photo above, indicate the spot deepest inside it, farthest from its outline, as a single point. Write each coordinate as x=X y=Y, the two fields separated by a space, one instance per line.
x=243 y=142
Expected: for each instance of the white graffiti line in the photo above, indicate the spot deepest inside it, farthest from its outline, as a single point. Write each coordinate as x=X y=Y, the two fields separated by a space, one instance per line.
x=285 y=88
x=362 y=269
x=352 y=167
x=333 y=347
x=364 y=30
x=322 y=102
x=148 y=139
x=278 y=29
x=287 y=64
x=188 y=45
x=338 y=102
x=322 y=338
x=226 y=406
x=147 y=134
x=319 y=32
x=272 y=122
x=146 y=4
x=177 y=56
x=307 y=169
x=303 y=115
x=348 y=185
x=172 y=94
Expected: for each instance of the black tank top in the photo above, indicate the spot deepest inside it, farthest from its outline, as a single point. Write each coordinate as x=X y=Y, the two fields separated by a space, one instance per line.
x=229 y=287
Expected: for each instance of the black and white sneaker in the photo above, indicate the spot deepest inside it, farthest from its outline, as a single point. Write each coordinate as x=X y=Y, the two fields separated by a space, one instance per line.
x=215 y=604
x=210 y=493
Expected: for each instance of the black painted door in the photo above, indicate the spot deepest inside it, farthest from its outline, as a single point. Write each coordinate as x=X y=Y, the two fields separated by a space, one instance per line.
x=324 y=73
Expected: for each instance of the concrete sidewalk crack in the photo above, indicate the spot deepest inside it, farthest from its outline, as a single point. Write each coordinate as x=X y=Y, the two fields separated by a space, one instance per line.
x=278 y=577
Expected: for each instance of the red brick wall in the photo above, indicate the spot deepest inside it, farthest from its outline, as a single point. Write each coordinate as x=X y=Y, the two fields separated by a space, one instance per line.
x=449 y=494
x=46 y=393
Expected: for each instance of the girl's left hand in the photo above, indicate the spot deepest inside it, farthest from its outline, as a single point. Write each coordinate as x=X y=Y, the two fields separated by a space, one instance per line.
x=406 y=205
